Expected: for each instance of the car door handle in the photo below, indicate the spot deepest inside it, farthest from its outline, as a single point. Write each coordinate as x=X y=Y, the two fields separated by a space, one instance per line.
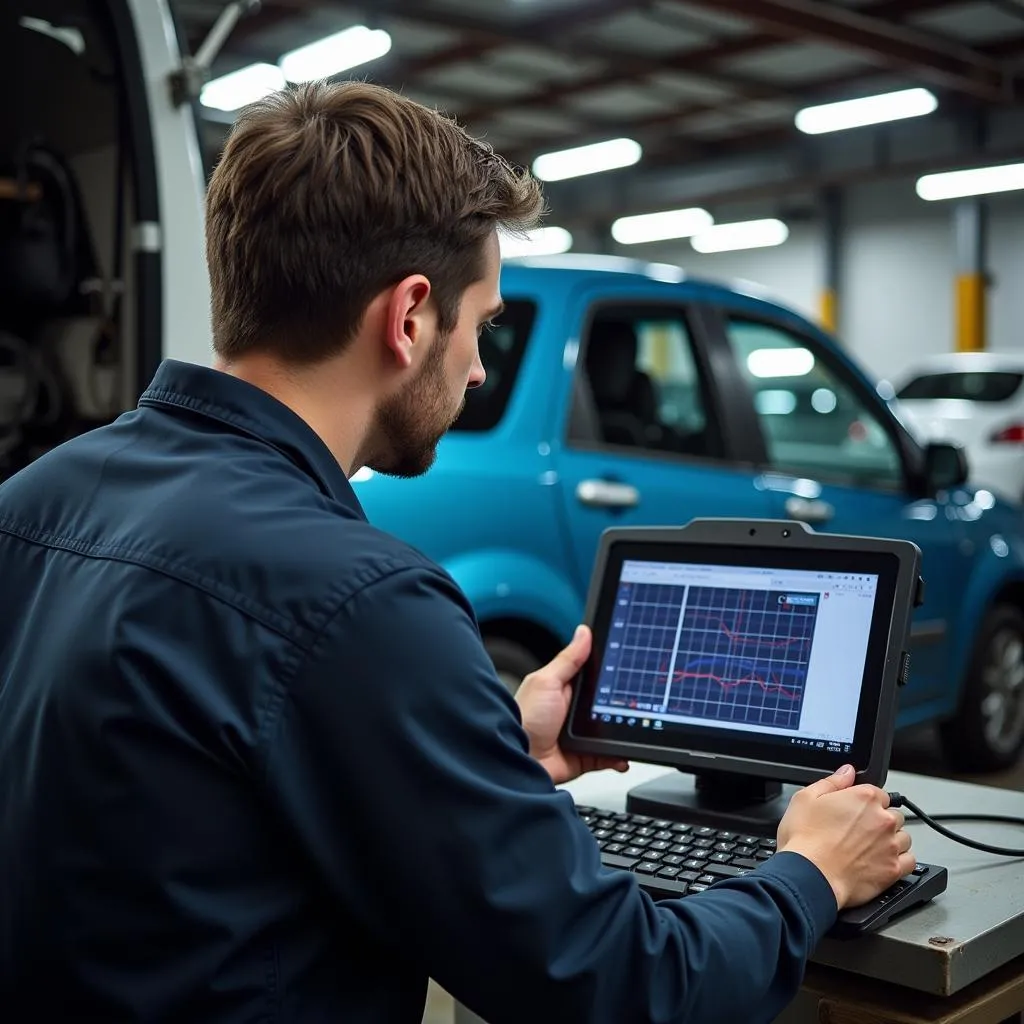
x=607 y=494
x=807 y=510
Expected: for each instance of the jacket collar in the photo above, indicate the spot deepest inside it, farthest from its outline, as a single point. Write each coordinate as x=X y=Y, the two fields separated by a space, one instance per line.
x=248 y=409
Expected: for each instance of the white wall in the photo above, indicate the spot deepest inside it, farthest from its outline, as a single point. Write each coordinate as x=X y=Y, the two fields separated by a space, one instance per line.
x=898 y=272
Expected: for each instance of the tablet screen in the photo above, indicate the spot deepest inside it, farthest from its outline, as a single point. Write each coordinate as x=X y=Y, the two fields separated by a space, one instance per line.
x=729 y=654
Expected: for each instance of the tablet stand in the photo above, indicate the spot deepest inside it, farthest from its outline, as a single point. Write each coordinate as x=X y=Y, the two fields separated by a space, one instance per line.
x=721 y=800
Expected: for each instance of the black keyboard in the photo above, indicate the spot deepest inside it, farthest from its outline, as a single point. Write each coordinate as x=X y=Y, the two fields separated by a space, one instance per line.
x=673 y=859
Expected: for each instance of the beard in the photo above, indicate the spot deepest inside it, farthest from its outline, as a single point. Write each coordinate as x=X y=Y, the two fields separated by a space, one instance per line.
x=410 y=424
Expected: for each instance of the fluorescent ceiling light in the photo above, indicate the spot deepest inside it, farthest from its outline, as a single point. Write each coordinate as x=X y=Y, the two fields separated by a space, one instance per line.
x=241 y=87
x=600 y=156
x=977 y=182
x=780 y=362
x=335 y=53
x=655 y=227
x=890 y=106
x=746 y=234
x=540 y=242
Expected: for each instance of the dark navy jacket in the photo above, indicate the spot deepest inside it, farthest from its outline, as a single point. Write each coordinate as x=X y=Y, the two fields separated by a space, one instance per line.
x=255 y=765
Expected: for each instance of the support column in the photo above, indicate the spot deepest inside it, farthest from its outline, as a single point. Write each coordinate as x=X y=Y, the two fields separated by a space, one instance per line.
x=970 y=223
x=832 y=220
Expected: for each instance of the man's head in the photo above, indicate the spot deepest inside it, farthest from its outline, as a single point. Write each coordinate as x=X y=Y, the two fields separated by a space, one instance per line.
x=351 y=241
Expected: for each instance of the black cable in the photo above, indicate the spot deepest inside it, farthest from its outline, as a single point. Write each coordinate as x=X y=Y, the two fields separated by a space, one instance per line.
x=898 y=800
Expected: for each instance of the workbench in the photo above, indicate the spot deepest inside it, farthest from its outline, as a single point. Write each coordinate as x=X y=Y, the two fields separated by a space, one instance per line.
x=957 y=960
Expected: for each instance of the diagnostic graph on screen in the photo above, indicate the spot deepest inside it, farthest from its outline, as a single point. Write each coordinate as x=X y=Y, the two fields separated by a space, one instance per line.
x=718 y=653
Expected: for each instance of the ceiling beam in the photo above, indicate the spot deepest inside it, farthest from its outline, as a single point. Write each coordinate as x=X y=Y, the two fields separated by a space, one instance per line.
x=624 y=65
x=701 y=62
x=939 y=61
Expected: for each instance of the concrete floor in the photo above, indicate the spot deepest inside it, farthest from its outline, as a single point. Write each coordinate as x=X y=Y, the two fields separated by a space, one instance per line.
x=915 y=752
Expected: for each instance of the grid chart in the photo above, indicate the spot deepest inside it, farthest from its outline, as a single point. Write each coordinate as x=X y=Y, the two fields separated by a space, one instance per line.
x=742 y=655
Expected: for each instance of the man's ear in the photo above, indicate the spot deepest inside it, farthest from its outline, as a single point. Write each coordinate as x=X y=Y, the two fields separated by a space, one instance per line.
x=407 y=318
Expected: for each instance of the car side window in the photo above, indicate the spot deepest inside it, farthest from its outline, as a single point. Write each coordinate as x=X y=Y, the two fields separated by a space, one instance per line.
x=813 y=420
x=639 y=385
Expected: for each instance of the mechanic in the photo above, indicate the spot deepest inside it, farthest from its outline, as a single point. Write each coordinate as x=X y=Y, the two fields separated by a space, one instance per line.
x=255 y=762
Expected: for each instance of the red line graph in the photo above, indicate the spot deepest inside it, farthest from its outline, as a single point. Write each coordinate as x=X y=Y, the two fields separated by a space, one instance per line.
x=736 y=636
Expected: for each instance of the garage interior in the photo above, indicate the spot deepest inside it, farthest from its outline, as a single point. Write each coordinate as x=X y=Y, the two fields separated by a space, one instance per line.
x=711 y=93
x=721 y=127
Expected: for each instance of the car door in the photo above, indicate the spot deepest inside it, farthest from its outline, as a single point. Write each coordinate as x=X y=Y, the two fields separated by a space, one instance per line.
x=644 y=438
x=837 y=459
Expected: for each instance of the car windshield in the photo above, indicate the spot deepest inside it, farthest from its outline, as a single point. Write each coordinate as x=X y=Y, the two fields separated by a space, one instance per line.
x=985 y=386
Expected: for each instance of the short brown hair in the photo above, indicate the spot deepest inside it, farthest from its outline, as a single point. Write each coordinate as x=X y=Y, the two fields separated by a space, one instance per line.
x=326 y=194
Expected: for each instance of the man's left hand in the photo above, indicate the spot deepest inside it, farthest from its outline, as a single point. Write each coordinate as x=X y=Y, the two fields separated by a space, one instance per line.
x=544 y=698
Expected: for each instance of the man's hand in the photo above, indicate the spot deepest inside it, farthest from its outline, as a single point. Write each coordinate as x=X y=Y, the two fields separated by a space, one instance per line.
x=544 y=698
x=851 y=834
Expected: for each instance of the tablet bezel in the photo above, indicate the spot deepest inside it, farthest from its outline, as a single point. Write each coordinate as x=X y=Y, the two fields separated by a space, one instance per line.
x=732 y=541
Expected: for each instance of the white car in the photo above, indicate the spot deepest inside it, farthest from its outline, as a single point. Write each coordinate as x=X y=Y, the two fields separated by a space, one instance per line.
x=977 y=400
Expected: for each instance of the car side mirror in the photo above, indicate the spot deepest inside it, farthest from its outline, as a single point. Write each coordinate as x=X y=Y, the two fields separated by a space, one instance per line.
x=945 y=466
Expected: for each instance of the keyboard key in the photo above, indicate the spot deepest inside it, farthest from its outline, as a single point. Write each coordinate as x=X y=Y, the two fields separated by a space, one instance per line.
x=681 y=829
x=722 y=858
x=633 y=851
x=703 y=844
x=696 y=865
x=726 y=837
x=654 y=855
x=744 y=851
x=660 y=844
x=622 y=837
x=640 y=840
x=725 y=847
x=696 y=887
x=750 y=840
x=662 y=823
x=668 y=872
x=602 y=833
x=688 y=876
x=681 y=849
x=640 y=819
x=605 y=823
x=764 y=854
x=663 y=834
x=768 y=844
x=612 y=848
x=724 y=870
x=673 y=858
x=621 y=816
x=645 y=831
x=745 y=862
x=705 y=831
x=647 y=867
x=580 y=809
x=611 y=860
x=706 y=880
x=920 y=869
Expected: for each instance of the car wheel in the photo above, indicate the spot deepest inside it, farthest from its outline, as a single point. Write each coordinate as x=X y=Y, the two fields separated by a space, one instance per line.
x=987 y=733
x=512 y=661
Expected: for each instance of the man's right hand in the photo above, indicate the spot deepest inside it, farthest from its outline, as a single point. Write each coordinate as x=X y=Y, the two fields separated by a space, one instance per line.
x=850 y=834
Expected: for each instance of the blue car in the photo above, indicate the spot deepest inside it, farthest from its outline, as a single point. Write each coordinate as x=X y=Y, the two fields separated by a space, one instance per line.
x=626 y=393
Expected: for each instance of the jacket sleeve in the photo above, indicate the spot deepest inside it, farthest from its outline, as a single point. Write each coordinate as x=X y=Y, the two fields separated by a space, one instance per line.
x=399 y=762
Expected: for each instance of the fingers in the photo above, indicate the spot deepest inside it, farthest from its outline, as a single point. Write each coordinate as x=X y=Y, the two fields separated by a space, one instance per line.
x=907 y=864
x=842 y=779
x=898 y=817
x=903 y=841
x=572 y=657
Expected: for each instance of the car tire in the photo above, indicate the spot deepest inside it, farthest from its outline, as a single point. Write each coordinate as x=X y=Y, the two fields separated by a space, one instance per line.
x=512 y=661
x=987 y=733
